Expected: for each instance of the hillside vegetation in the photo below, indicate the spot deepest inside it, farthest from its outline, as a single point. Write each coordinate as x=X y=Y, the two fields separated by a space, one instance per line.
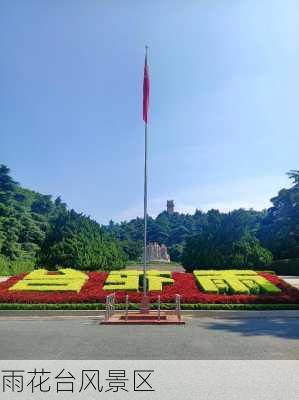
x=34 y=229
x=37 y=230
x=215 y=239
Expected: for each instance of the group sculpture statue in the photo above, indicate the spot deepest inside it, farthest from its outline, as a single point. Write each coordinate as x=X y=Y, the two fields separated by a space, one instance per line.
x=157 y=252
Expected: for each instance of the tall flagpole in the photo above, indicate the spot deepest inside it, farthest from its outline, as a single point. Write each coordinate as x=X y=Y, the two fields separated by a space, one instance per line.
x=145 y=201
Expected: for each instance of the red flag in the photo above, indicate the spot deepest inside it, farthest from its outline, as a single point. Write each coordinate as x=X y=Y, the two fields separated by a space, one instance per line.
x=146 y=89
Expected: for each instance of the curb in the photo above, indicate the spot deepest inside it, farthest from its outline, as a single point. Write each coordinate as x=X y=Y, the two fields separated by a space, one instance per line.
x=52 y=313
x=243 y=314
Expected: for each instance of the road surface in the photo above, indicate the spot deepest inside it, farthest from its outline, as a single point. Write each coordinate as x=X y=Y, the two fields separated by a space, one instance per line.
x=201 y=338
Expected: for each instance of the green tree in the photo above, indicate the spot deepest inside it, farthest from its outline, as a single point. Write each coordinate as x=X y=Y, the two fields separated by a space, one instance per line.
x=7 y=184
x=133 y=249
x=175 y=252
x=32 y=225
x=226 y=240
x=74 y=240
x=279 y=231
x=248 y=252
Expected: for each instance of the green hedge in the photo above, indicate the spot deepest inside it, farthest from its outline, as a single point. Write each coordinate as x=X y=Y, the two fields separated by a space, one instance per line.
x=164 y=306
x=286 y=267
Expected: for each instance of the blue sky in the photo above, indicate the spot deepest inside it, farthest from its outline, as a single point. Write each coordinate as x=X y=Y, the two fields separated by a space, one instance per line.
x=224 y=120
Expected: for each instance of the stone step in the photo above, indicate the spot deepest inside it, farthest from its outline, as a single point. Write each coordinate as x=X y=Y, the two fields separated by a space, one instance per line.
x=143 y=319
x=138 y=316
x=142 y=322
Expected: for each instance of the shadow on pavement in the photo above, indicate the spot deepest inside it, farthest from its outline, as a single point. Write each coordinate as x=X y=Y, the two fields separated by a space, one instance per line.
x=287 y=328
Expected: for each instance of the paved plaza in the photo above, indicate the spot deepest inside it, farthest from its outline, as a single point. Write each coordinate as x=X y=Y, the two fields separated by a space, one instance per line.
x=201 y=338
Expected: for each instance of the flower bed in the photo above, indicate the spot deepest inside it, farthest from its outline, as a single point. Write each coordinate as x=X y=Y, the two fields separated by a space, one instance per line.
x=184 y=284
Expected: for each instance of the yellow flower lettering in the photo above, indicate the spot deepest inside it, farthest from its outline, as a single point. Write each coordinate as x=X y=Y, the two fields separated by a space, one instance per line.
x=234 y=282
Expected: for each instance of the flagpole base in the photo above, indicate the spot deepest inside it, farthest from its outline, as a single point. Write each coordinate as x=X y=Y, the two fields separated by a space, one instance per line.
x=145 y=305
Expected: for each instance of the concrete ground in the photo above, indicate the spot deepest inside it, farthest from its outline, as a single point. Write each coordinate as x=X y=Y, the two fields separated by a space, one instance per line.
x=291 y=280
x=173 y=267
x=200 y=338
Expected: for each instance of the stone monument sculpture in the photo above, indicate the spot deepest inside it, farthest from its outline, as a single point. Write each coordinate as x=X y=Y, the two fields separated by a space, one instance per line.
x=155 y=252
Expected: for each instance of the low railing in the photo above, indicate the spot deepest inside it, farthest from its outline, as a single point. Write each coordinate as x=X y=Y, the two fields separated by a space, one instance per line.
x=159 y=307
x=127 y=307
x=178 y=306
x=110 y=306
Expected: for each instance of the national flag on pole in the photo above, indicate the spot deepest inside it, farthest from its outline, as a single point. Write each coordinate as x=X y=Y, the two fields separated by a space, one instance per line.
x=146 y=89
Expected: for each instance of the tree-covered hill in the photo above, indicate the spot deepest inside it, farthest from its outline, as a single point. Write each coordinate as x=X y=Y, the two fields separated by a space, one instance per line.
x=34 y=229
x=240 y=237
x=280 y=228
x=174 y=229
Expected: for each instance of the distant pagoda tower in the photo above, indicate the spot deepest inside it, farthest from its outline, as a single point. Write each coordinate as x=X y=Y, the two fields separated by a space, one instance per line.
x=170 y=206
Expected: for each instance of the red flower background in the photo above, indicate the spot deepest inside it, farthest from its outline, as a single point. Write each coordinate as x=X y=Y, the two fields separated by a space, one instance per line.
x=184 y=284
